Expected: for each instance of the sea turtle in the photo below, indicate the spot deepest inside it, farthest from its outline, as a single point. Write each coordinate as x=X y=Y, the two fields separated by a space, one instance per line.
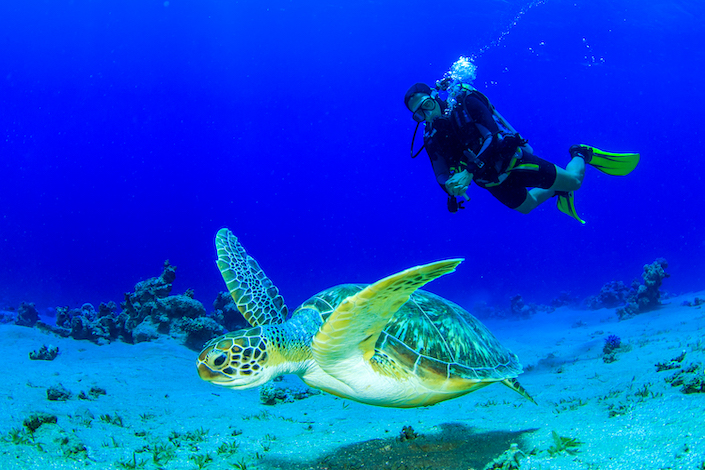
x=386 y=344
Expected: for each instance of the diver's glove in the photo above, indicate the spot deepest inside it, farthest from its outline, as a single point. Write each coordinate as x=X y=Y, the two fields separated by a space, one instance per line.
x=458 y=184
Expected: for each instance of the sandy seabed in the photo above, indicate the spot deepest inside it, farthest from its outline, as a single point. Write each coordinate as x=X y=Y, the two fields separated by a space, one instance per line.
x=157 y=413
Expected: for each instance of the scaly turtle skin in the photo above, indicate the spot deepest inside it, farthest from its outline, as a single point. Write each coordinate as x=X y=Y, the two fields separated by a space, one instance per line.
x=385 y=344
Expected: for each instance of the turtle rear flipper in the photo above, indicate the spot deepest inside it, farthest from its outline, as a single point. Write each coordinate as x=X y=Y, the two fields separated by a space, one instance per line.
x=255 y=295
x=351 y=331
x=516 y=386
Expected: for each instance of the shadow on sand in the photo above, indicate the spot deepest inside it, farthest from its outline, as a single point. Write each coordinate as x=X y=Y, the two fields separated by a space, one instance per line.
x=454 y=447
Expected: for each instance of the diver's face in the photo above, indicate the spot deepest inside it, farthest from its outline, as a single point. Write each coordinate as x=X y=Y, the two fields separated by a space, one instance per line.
x=424 y=108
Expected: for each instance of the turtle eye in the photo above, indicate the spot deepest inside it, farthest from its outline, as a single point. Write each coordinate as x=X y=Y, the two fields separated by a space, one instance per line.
x=220 y=360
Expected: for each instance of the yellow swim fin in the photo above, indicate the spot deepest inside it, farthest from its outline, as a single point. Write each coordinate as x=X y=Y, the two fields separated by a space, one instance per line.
x=566 y=205
x=611 y=163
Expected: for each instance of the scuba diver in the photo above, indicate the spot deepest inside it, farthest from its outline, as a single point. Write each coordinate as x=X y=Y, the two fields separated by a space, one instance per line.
x=468 y=140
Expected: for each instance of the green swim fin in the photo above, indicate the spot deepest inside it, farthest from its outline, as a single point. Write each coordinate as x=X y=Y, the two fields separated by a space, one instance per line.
x=566 y=205
x=616 y=164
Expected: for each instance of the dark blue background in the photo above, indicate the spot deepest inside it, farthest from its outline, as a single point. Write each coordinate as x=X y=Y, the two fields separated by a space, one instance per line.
x=133 y=130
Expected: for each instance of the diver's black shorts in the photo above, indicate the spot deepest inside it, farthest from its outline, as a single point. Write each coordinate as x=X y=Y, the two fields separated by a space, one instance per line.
x=529 y=172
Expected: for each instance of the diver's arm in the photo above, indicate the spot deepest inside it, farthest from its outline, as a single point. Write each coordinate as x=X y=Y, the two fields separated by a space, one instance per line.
x=481 y=113
x=509 y=127
x=440 y=169
x=486 y=138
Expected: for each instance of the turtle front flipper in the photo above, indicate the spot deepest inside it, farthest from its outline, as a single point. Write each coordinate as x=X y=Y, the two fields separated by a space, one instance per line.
x=255 y=295
x=351 y=331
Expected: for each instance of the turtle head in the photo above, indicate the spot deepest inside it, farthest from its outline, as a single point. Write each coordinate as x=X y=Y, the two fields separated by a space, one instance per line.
x=239 y=360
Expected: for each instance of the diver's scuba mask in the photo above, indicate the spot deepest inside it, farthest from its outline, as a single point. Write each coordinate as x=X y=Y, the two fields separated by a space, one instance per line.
x=426 y=104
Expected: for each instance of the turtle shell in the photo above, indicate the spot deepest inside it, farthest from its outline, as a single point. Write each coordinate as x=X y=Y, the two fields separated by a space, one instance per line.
x=432 y=335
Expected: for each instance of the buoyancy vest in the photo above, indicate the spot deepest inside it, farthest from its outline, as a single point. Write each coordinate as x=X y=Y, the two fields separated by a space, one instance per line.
x=459 y=136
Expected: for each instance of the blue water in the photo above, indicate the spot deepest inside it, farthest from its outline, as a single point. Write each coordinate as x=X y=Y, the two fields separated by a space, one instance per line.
x=132 y=131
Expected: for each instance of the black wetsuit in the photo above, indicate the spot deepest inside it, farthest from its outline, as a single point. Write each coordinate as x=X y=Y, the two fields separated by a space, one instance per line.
x=468 y=138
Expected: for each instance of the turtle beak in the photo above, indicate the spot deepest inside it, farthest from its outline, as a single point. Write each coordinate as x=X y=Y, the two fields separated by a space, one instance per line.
x=219 y=378
x=209 y=375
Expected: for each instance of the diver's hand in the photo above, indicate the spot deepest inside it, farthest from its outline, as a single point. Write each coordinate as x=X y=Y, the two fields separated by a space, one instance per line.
x=458 y=184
